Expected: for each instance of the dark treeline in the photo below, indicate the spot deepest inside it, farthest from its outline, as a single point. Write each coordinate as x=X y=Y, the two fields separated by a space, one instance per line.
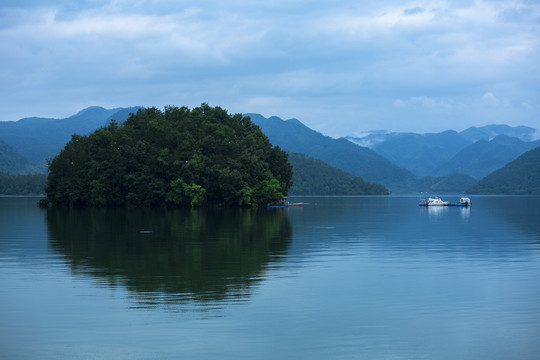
x=22 y=184
x=314 y=177
x=177 y=156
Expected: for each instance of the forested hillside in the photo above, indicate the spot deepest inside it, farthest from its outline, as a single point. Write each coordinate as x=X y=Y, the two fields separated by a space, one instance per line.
x=483 y=157
x=13 y=162
x=177 y=156
x=519 y=177
x=314 y=177
x=293 y=136
x=21 y=184
x=450 y=184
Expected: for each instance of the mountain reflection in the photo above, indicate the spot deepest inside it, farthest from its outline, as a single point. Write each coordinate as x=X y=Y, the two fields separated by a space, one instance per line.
x=177 y=255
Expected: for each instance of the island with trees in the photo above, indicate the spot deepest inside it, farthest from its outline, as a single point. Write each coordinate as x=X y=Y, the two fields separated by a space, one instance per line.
x=176 y=156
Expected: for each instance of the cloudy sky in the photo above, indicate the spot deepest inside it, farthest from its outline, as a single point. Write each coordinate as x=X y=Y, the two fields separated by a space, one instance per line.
x=340 y=67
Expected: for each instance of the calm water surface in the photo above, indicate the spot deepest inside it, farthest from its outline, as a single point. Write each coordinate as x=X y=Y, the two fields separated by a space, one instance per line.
x=340 y=278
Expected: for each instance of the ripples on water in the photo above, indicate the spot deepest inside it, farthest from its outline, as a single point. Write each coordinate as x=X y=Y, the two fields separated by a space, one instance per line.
x=369 y=277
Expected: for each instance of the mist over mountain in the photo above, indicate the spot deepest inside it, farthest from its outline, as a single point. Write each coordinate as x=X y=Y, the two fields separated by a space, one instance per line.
x=476 y=151
x=489 y=132
x=472 y=134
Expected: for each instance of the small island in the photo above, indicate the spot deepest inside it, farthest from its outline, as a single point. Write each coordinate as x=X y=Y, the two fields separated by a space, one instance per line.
x=175 y=157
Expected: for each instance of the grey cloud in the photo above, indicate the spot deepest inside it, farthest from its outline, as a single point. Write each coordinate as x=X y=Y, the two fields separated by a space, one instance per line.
x=340 y=68
x=412 y=11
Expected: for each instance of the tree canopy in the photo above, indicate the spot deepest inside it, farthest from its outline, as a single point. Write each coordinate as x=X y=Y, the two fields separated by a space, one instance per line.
x=177 y=156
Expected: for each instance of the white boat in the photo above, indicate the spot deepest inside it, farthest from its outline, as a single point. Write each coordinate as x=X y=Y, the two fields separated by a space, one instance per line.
x=433 y=201
x=436 y=201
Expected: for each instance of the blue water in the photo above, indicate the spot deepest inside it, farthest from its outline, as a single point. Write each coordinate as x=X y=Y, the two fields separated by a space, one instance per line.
x=340 y=278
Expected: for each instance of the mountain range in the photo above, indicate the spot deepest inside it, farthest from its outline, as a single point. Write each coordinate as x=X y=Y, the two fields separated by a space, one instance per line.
x=483 y=157
x=38 y=139
x=294 y=137
x=519 y=177
x=447 y=162
x=476 y=151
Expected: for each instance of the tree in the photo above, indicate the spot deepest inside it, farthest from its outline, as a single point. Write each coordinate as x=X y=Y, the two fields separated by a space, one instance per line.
x=182 y=194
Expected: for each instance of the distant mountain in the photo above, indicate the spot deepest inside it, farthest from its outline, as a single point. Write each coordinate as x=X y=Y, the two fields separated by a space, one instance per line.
x=13 y=162
x=483 y=157
x=440 y=153
x=371 y=138
x=389 y=161
x=519 y=177
x=40 y=138
x=421 y=154
x=489 y=132
x=315 y=177
x=293 y=136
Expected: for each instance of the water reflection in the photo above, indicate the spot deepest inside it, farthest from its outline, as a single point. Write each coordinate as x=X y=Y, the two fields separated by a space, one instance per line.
x=435 y=212
x=465 y=213
x=520 y=211
x=361 y=278
x=165 y=256
x=397 y=228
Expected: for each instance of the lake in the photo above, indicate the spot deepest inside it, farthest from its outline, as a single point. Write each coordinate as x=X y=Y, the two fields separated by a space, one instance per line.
x=339 y=278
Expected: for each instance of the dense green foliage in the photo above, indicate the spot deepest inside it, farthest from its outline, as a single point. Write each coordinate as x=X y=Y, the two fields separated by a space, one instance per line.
x=177 y=156
x=519 y=177
x=314 y=177
x=21 y=184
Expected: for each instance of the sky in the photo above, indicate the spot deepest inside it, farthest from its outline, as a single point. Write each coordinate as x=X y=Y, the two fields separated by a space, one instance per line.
x=340 y=67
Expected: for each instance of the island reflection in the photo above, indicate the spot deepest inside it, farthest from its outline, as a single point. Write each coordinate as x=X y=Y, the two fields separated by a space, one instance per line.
x=179 y=256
